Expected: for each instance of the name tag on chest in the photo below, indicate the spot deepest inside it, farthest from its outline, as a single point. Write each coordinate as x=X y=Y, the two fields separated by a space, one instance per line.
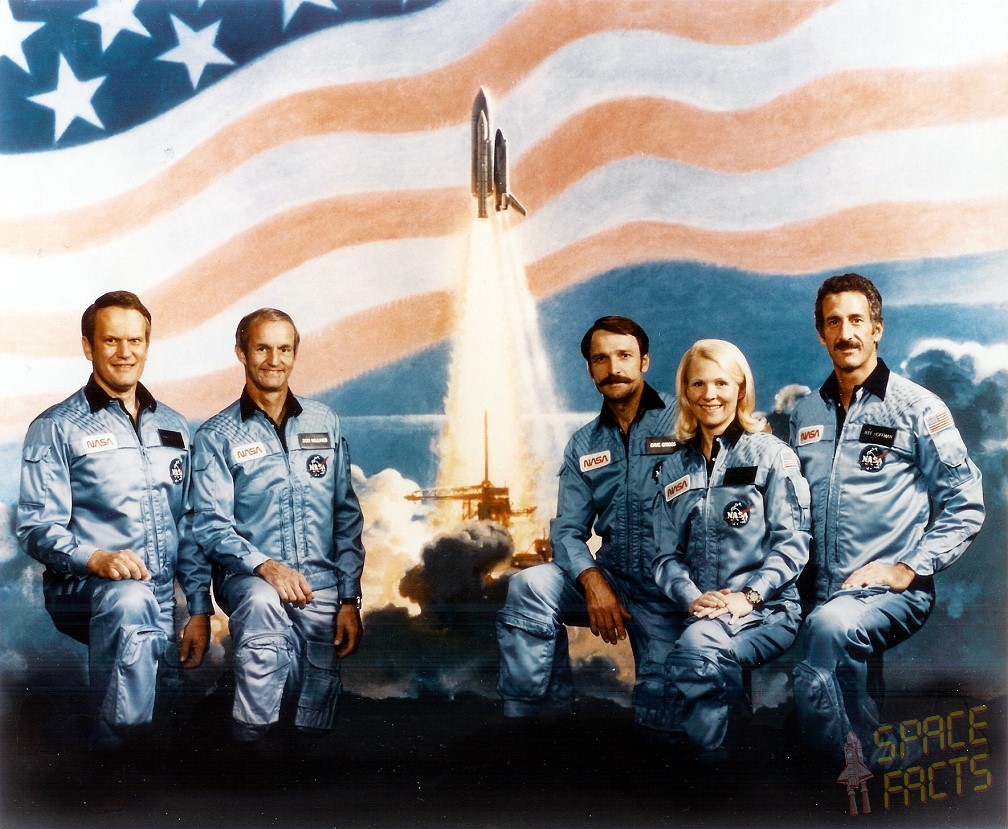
x=314 y=440
x=659 y=446
x=879 y=435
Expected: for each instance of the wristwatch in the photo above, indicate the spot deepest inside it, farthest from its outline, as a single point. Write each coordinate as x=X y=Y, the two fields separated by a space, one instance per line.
x=354 y=600
x=753 y=597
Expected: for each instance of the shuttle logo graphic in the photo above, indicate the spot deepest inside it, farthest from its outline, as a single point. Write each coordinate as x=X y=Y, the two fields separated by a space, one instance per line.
x=100 y=443
x=809 y=434
x=676 y=488
x=595 y=461
x=248 y=452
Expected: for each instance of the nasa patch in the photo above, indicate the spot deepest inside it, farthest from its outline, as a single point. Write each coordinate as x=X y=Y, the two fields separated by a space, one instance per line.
x=176 y=470
x=676 y=487
x=736 y=514
x=810 y=434
x=248 y=452
x=595 y=461
x=317 y=466
x=99 y=443
x=873 y=458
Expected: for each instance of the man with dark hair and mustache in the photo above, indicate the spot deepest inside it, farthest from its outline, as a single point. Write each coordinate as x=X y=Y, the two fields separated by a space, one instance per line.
x=895 y=499
x=606 y=484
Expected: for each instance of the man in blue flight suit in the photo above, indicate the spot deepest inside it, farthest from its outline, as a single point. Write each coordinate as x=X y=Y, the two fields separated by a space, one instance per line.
x=895 y=499
x=606 y=483
x=276 y=511
x=104 y=505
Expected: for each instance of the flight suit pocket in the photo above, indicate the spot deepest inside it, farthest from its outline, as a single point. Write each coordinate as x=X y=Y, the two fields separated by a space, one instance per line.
x=320 y=687
x=527 y=650
x=130 y=698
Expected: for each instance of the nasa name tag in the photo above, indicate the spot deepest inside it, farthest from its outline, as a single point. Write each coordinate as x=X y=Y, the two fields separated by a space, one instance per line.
x=740 y=475
x=880 y=435
x=314 y=440
x=99 y=443
x=810 y=434
x=169 y=437
x=248 y=452
x=659 y=446
x=676 y=488
x=595 y=460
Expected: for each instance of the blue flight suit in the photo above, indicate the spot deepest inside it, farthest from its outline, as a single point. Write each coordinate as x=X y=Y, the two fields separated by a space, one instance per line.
x=607 y=482
x=740 y=521
x=892 y=483
x=91 y=480
x=263 y=492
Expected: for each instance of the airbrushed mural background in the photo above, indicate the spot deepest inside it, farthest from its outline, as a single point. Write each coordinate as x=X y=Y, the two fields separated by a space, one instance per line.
x=699 y=166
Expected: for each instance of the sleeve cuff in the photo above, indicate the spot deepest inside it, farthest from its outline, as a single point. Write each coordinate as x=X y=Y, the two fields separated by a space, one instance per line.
x=349 y=589
x=253 y=560
x=577 y=564
x=199 y=603
x=689 y=594
x=78 y=559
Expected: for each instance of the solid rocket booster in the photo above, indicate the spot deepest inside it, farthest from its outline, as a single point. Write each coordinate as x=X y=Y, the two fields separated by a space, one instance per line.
x=489 y=163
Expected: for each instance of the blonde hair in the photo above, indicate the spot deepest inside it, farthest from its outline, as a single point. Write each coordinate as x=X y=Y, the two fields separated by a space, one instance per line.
x=733 y=362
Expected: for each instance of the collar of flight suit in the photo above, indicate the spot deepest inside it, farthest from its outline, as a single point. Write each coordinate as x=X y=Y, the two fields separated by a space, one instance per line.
x=877 y=382
x=248 y=407
x=650 y=399
x=99 y=399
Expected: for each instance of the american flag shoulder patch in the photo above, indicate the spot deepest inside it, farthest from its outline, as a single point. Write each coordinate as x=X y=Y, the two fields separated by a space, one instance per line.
x=790 y=460
x=939 y=421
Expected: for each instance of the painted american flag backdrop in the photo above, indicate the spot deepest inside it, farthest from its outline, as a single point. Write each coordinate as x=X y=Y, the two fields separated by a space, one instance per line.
x=699 y=165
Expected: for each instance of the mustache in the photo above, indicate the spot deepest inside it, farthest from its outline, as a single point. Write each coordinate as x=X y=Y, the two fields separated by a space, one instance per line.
x=847 y=344
x=613 y=379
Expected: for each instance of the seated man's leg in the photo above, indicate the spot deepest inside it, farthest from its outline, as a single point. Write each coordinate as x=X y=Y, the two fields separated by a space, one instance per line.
x=314 y=680
x=653 y=629
x=705 y=671
x=535 y=675
x=845 y=634
x=129 y=631
x=263 y=650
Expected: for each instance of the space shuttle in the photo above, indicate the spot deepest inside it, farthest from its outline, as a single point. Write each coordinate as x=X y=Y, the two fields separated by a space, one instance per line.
x=489 y=163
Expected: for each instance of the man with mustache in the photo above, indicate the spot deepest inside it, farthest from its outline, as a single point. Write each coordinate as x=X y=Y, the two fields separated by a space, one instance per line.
x=104 y=505
x=895 y=499
x=606 y=485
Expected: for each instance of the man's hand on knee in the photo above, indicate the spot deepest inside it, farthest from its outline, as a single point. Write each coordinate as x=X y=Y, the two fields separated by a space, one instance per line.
x=117 y=565
x=290 y=585
x=897 y=578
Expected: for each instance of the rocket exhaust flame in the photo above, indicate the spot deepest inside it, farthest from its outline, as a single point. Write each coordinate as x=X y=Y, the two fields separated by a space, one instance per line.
x=499 y=376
